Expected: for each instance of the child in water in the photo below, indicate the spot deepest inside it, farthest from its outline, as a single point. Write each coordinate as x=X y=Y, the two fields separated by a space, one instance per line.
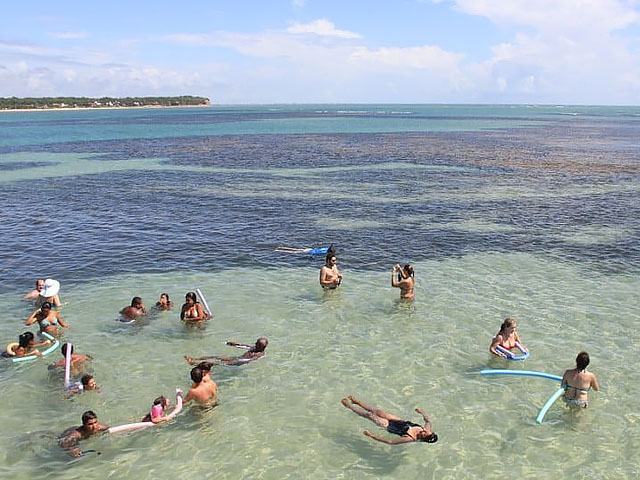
x=160 y=404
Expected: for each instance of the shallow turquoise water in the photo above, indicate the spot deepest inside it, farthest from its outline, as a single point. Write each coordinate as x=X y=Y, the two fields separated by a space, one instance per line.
x=552 y=244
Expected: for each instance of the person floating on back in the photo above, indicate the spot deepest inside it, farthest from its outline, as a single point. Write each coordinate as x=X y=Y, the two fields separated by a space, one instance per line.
x=253 y=353
x=406 y=430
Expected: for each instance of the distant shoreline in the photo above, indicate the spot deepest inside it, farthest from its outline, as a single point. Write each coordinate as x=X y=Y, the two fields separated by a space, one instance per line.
x=75 y=109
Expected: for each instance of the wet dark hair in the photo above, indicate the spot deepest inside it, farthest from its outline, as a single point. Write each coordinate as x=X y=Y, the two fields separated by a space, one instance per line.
x=85 y=379
x=88 y=415
x=161 y=400
x=205 y=366
x=433 y=438
x=24 y=339
x=582 y=360
x=196 y=374
x=166 y=295
x=46 y=305
x=408 y=269
x=63 y=349
x=261 y=344
x=191 y=296
x=135 y=300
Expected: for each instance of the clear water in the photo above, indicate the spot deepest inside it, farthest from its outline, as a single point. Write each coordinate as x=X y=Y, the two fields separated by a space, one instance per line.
x=524 y=211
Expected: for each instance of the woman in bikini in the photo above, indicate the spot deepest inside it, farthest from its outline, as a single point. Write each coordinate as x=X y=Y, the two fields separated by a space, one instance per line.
x=506 y=338
x=25 y=346
x=577 y=382
x=48 y=319
x=406 y=430
x=164 y=303
x=403 y=279
x=192 y=311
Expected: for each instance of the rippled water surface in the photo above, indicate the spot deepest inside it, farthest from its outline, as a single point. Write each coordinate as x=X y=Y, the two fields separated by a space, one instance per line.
x=524 y=211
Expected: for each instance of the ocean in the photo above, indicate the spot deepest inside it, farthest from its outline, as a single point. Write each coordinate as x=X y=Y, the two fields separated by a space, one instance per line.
x=504 y=210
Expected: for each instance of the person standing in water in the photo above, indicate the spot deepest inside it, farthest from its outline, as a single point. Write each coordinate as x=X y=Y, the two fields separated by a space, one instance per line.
x=403 y=278
x=49 y=320
x=330 y=276
x=49 y=294
x=507 y=338
x=577 y=382
x=203 y=390
x=35 y=293
x=164 y=303
x=133 y=311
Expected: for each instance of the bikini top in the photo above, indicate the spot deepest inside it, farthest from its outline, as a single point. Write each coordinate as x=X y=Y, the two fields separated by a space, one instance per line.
x=45 y=323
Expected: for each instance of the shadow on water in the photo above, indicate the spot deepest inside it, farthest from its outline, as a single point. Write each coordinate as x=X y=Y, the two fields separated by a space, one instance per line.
x=373 y=453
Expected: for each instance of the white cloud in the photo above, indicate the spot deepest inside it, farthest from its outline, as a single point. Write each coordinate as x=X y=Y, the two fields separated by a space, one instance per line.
x=563 y=15
x=68 y=35
x=321 y=27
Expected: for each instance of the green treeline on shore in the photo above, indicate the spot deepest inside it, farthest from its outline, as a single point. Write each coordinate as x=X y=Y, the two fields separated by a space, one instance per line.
x=14 y=103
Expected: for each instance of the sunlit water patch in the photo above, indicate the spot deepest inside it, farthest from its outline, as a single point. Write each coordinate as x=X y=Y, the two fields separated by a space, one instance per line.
x=358 y=339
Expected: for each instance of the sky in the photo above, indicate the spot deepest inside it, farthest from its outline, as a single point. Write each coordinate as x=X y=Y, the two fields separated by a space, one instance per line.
x=325 y=51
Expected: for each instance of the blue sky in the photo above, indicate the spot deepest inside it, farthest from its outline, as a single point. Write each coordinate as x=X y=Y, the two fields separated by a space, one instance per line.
x=326 y=51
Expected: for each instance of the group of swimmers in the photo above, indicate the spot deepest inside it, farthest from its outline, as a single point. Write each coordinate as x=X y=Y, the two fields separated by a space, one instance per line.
x=203 y=390
x=577 y=382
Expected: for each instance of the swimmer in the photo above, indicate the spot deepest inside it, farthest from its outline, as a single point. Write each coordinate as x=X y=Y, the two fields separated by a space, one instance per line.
x=330 y=276
x=49 y=293
x=577 y=382
x=35 y=293
x=77 y=359
x=25 y=347
x=283 y=249
x=133 y=311
x=506 y=338
x=160 y=404
x=164 y=303
x=192 y=311
x=48 y=319
x=406 y=430
x=253 y=353
x=87 y=382
x=403 y=278
x=68 y=440
x=204 y=391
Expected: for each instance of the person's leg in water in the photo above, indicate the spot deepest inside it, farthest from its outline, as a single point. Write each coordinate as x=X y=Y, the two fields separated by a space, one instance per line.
x=369 y=412
x=376 y=411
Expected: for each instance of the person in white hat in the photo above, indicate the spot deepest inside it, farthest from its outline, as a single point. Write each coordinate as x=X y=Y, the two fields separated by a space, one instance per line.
x=49 y=294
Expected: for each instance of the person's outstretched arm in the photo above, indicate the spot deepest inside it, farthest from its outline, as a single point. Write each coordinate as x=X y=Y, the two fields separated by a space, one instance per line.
x=394 y=441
